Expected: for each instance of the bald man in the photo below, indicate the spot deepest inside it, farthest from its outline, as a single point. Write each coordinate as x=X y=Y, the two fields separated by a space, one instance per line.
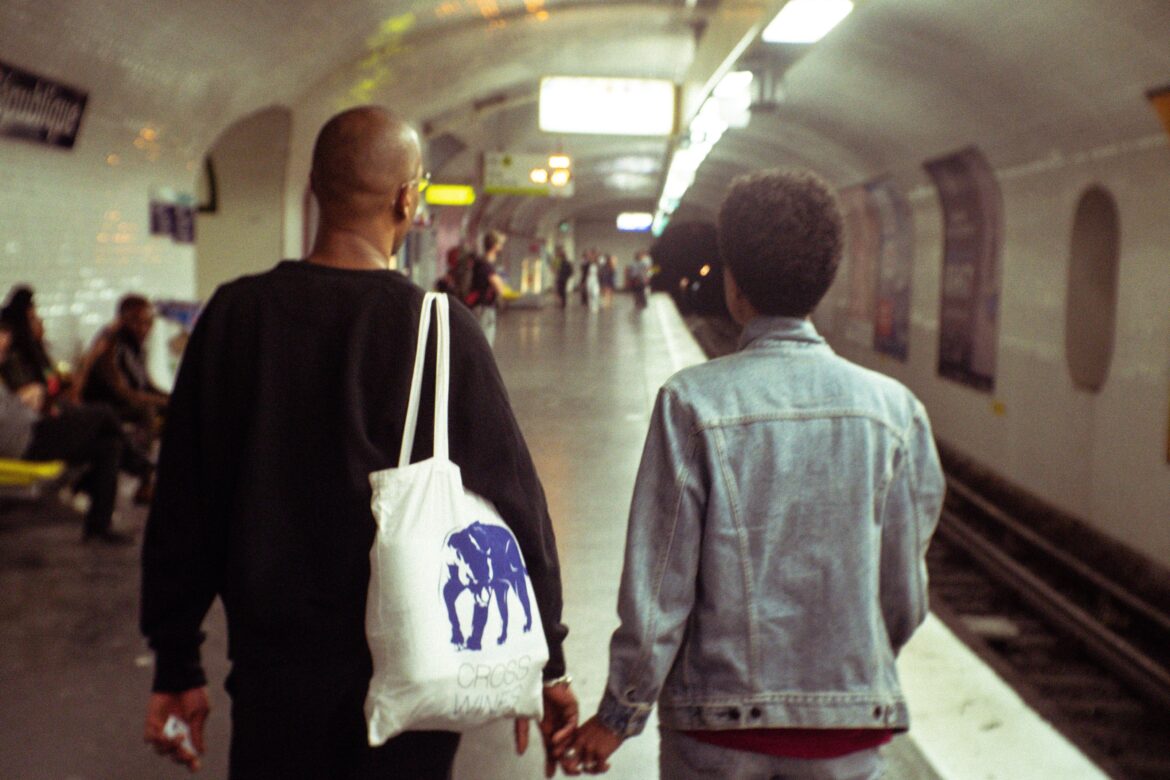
x=293 y=389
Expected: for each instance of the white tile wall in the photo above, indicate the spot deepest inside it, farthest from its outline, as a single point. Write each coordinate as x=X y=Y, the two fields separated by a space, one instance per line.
x=77 y=229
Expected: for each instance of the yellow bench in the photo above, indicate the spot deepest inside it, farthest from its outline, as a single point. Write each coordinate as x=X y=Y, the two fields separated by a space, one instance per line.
x=28 y=475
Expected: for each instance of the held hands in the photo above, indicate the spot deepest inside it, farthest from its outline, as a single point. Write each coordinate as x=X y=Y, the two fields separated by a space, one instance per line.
x=586 y=749
x=192 y=707
x=590 y=748
x=557 y=726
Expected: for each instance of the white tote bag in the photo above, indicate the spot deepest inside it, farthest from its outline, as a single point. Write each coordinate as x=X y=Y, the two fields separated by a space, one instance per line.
x=451 y=617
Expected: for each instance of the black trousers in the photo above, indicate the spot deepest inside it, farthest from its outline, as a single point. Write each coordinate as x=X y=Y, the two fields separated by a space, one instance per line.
x=88 y=436
x=305 y=721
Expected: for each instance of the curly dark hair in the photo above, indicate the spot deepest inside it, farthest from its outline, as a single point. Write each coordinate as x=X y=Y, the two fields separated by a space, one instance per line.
x=780 y=234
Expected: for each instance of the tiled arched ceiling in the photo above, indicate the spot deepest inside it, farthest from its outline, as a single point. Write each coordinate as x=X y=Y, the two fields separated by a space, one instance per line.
x=898 y=82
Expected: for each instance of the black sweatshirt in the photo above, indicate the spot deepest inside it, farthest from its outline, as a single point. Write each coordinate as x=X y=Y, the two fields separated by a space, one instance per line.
x=293 y=388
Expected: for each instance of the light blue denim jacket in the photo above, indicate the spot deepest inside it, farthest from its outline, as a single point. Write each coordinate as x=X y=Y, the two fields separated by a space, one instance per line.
x=775 y=556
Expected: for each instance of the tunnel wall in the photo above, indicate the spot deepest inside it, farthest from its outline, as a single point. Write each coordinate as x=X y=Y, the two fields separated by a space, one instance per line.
x=1101 y=456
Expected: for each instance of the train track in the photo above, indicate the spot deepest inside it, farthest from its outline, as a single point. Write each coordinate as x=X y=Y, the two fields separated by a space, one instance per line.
x=1088 y=655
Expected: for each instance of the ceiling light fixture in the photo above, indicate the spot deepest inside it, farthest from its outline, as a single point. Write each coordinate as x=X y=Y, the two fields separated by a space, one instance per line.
x=806 y=21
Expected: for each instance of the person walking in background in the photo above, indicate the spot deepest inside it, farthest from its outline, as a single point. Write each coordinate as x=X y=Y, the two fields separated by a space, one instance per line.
x=775 y=557
x=564 y=273
x=487 y=288
x=587 y=261
x=607 y=277
x=292 y=391
x=639 y=276
x=593 y=283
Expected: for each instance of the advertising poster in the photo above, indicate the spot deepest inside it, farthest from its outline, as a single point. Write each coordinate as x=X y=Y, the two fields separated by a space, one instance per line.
x=878 y=265
x=1160 y=100
x=972 y=207
x=862 y=239
x=891 y=325
x=37 y=109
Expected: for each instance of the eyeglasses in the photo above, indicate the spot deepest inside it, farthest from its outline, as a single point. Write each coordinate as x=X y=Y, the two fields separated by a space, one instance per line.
x=424 y=181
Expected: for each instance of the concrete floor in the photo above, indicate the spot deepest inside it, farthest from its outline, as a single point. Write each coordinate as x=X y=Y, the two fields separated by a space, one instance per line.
x=74 y=672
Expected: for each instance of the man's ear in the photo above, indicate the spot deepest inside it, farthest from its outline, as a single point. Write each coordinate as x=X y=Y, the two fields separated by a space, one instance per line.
x=405 y=204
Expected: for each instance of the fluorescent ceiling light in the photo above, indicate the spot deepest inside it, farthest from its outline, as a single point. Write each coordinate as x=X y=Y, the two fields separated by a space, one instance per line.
x=634 y=220
x=806 y=21
x=605 y=106
x=734 y=84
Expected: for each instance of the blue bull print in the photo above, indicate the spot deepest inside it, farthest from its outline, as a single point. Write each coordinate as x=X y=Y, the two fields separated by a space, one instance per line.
x=486 y=562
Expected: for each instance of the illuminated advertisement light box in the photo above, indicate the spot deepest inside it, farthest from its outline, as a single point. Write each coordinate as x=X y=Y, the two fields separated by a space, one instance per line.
x=509 y=173
x=634 y=221
x=604 y=106
x=449 y=195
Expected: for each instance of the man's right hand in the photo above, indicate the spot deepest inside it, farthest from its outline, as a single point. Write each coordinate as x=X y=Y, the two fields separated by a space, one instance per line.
x=192 y=706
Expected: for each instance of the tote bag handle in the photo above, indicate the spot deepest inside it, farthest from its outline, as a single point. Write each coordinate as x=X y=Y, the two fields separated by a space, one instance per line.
x=442 y=377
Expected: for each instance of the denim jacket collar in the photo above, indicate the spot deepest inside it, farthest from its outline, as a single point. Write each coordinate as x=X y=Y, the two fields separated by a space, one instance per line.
x=765 y=328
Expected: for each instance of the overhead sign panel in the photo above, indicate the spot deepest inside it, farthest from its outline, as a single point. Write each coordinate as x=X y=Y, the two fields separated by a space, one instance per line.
x=37 y=109
x=604 y=106
x=508 y=173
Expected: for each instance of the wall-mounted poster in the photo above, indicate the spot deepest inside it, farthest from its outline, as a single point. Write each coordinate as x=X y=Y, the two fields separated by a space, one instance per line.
x=37 y=109
x=878 y=264
x=172 y=215
x=1160 y=100
x=891 y=324
x=862 y=238
x=972 y=208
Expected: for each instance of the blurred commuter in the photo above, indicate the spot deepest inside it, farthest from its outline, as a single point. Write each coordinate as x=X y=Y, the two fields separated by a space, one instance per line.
x=593 y=285
x=564 y=274
x=115 y=371
x=607 y=278
x=639 y=276
x=28 y=359
x=293 y=389
x=587 y=261
x=88 y=437
x=775 y=558
x=487 y=288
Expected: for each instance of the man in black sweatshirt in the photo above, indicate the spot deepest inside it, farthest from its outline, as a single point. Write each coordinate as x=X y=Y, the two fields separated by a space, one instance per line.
x=293 y=388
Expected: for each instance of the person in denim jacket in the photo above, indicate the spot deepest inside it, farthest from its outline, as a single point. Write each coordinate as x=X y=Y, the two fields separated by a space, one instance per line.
x=775 y=557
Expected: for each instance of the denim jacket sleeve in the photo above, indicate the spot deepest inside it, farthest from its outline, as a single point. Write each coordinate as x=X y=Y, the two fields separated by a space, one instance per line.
x=909 y=516
x=661 y=565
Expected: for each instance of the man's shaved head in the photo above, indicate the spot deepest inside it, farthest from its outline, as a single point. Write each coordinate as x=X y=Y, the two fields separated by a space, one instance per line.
x=362 y=158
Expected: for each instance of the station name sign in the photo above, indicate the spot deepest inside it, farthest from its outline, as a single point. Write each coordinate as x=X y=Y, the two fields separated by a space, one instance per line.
x=38 y=109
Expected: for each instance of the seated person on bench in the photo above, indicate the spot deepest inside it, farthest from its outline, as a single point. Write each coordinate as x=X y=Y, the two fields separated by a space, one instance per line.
x=115 y=370
x=86 y=436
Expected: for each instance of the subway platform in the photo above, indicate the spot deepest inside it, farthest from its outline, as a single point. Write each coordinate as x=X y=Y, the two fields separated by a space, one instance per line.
x=74 y=673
